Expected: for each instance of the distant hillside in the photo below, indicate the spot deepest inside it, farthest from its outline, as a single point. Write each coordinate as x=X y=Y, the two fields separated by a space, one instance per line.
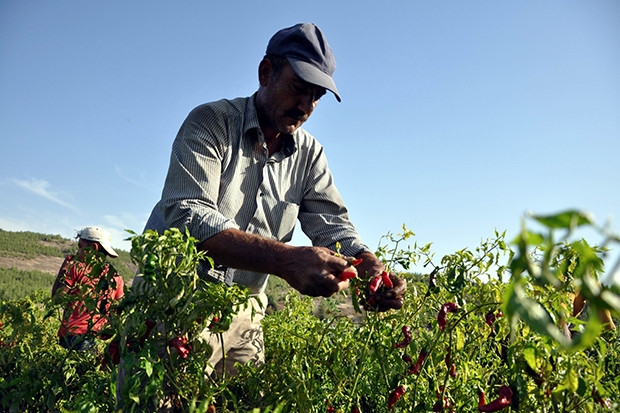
x=30 y=261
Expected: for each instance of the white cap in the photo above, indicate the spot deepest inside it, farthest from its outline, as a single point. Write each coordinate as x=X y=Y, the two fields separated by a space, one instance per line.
x=99 y=235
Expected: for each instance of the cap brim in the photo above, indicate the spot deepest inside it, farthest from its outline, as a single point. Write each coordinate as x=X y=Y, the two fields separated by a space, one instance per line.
x=311 y=74
x=109 y=250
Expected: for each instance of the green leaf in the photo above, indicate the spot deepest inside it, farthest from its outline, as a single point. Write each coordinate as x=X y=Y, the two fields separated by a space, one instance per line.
x=534 y=315
x=529 y=237
x=460 y=340
x=568 y=219
x=571 y=380
x=529 y=355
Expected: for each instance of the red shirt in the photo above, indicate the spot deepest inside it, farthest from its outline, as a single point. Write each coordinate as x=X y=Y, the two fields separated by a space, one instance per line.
x=78 y=319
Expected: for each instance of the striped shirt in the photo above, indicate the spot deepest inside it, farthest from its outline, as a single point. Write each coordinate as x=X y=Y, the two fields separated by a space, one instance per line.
x=221 y=176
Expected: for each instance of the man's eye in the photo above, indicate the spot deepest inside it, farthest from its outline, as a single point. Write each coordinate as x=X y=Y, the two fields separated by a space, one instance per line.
x=300 y=90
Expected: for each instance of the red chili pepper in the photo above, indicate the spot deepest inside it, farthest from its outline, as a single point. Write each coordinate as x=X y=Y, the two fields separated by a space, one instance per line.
x=451 y=307
x=396 y=394
x=372 y=301
x=503 y=401
x=443 y=312
x=356 y=262
x=347 y=275
x=375 y=283
x=489 y=318
x=214 y=321
x=452 y=370
x=406 y=340
x=181 y=345
x=387 y=281
x=482 y=399
x=415 y=369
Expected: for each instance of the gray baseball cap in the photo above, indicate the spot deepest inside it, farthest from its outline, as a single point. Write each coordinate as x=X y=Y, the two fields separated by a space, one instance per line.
x=306 y=49
x=99 y=235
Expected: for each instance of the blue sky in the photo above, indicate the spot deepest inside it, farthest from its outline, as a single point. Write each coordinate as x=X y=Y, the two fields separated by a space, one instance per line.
x=457 y=117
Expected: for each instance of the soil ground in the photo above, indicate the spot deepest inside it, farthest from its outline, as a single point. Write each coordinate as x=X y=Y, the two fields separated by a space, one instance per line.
x=41 y=263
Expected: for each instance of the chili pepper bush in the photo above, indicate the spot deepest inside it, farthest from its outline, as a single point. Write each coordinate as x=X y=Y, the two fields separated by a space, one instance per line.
x=487 y=321
x=480 y=330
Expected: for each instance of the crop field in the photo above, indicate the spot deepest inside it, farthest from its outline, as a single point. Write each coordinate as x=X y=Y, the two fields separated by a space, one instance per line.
x=488 y=329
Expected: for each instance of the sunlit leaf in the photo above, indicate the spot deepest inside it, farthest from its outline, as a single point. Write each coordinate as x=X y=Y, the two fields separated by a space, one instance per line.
x=568 y=219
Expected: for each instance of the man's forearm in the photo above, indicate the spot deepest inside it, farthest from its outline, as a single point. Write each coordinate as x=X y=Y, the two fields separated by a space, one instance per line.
x=244 y=251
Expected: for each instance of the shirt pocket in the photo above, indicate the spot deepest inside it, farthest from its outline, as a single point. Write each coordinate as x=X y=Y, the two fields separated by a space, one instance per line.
x=283 y=228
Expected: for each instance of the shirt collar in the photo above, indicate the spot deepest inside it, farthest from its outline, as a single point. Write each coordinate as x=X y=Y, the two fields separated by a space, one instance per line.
x=289 y=145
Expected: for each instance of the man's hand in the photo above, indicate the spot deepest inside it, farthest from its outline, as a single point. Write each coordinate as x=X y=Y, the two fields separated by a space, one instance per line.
x=316 y=271
x=389 y=298
x=385 y=298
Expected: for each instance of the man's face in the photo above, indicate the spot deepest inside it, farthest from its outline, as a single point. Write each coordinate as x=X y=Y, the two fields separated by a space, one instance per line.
x=83 y=246
x=287 y=101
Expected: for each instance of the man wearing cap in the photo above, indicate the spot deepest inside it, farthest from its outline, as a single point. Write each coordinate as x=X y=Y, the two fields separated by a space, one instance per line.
x=86 y=302
x=243 y=172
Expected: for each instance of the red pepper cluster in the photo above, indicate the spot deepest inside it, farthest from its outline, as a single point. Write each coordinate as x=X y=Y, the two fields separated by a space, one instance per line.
x=181 y=345
x=375 y=284
x=443 y=313
x=503 y=401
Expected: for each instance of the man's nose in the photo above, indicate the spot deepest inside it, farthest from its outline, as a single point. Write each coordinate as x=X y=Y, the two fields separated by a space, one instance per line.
x=307 y=103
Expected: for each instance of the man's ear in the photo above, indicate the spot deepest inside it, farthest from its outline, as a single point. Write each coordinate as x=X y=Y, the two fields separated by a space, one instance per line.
x=265 y=70
x=96 y=246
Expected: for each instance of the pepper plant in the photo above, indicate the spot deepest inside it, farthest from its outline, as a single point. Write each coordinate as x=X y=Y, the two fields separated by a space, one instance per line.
x=163 y=358
x=483 y=329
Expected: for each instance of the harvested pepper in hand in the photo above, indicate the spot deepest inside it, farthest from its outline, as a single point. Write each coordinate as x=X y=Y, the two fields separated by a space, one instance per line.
x=347 y=275
x=407 y=333
x=503 y=401
x=375 y=284
x=387 y=281
x=396 y=394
